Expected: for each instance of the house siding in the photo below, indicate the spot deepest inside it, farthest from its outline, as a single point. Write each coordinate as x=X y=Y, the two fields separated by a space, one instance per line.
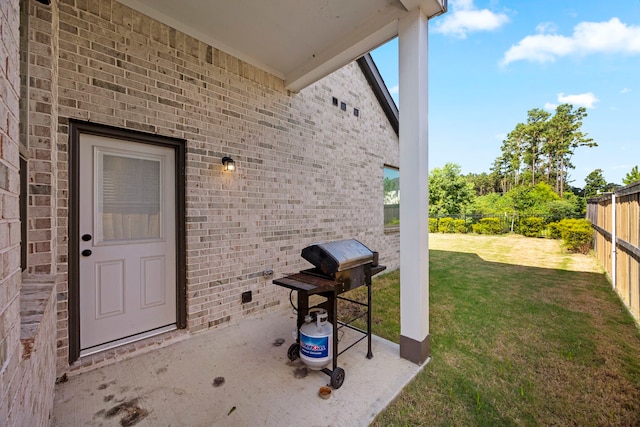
x=307 y=171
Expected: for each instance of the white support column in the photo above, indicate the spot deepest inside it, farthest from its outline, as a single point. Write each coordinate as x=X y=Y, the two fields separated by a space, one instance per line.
x=414 y=173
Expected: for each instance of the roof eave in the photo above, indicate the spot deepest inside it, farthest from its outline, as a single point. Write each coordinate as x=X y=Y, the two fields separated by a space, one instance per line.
x=372 y=74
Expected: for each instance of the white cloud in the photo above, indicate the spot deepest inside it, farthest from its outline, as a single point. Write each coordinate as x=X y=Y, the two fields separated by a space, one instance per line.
x=546 y=27
x=465 y=18
x=611 y=36
x=586 y=100
x=394 y=90
x=625 y=90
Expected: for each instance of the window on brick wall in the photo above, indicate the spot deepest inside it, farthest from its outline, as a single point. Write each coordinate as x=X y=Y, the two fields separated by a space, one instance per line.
x=391 y=196
x=23 y=213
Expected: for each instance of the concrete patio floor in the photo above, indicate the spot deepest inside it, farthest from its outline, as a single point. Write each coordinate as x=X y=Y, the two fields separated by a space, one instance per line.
x=181 y=384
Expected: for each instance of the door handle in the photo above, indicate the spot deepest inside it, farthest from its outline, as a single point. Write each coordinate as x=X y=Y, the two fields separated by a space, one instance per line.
x=86 y=252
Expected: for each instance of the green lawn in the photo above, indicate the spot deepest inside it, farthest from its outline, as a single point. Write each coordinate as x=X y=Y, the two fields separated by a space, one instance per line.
x=522 y=333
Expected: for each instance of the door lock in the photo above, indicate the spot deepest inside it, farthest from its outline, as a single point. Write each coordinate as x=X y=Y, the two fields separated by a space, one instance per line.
x=86 y=237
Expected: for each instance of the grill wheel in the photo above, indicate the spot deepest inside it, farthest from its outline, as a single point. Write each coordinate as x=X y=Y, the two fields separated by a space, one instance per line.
x=294 y=351
x=337 y=378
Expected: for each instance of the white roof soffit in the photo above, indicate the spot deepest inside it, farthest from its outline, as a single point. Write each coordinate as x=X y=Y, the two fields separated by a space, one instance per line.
x=299 y=41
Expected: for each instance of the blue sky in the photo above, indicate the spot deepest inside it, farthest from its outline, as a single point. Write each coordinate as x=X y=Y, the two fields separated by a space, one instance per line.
x=492 y=61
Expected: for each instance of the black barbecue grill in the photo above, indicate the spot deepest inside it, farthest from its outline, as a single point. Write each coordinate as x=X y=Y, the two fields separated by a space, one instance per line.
x=339 y=267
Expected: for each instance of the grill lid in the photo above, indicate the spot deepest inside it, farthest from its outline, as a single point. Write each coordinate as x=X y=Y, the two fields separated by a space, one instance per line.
x=337 y=256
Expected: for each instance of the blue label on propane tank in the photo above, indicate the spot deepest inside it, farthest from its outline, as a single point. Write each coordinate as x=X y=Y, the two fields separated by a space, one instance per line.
x=315 y=347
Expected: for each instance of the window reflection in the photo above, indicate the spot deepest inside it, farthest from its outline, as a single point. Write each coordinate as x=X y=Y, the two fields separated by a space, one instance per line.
x=391 y=196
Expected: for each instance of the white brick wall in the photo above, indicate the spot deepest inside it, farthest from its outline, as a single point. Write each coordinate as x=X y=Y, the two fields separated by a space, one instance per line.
x=307 y=171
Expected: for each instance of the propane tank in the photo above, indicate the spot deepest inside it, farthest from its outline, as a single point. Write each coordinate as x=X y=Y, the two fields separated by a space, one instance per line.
x=316 y=340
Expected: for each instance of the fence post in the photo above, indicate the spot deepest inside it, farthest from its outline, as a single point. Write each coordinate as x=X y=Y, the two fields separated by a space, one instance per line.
x=613 y=240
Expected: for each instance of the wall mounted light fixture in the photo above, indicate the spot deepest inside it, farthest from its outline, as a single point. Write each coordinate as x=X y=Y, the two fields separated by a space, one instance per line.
x=228 y=163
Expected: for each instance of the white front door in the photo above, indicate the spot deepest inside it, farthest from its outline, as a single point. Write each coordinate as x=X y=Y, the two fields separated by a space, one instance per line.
x=127 y=240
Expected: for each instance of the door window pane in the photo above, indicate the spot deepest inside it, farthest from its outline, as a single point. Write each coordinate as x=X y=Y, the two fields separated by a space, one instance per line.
x=128 y=198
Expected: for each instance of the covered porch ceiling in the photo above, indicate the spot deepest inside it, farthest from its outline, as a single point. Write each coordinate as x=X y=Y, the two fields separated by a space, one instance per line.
x=299 y=41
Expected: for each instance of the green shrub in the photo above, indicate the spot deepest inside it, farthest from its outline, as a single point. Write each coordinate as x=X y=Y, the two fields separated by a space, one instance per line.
x=531 y=226
x=460 y=226
x=554 y=230
x=433 y=225
x=445 y=225
x=577 y=235
x=488 y=226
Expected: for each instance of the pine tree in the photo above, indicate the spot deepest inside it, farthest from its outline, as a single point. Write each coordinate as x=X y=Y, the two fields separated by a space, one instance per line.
x=631 y=177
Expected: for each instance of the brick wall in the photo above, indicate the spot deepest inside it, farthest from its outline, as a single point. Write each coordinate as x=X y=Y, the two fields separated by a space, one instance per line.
x=41 y=28
x=10 y=277
x=33 y=399
x=27 y=311
x=307 y=170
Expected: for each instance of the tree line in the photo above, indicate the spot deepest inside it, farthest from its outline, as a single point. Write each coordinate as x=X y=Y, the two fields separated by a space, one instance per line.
x=530 y=176
x=541 y=149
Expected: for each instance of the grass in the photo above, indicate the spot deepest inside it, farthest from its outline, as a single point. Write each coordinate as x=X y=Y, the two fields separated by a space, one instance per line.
x=521 y=334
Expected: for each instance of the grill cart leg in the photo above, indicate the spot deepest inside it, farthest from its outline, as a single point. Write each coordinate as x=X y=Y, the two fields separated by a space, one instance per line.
x=333 y=303
x=336 y=374
x=303 y=308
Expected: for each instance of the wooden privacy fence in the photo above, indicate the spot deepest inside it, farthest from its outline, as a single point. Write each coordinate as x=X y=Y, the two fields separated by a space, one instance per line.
x=616 y=220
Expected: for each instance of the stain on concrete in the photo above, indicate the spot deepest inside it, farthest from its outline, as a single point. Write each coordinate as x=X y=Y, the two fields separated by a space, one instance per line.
x=218 y=381
x=105 y=385
x=300 y=372
x=63 y=379
x=129 y=411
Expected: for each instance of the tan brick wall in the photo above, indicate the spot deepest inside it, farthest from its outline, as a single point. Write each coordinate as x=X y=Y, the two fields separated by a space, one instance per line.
x=33 y=399
x=42 y=152
x=27 y=312
x=307 y=171
x=10 y=277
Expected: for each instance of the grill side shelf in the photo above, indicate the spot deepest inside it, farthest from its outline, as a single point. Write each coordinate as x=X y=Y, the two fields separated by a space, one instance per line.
x=378 y=269
x=306 y=282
